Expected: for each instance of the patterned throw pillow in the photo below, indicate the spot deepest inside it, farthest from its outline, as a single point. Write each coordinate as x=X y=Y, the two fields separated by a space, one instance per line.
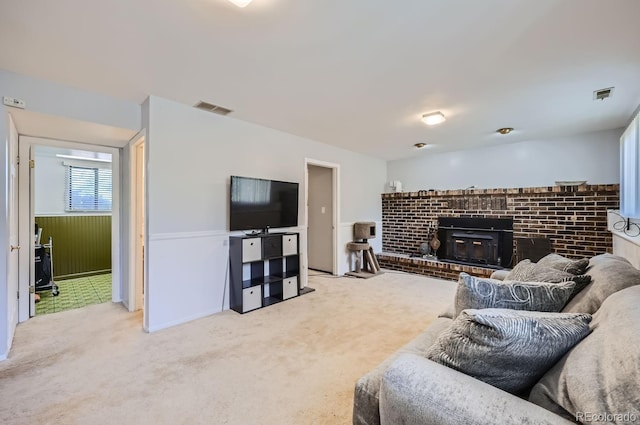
x=475 y=292
x=508 y=349
x=558 y=262
x=526 y=271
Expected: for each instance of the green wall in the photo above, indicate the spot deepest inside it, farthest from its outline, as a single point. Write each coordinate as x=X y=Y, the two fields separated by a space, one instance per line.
x=81 y=244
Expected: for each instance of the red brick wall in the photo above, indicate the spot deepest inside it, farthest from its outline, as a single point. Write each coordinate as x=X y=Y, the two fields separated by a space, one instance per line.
x=573 y=217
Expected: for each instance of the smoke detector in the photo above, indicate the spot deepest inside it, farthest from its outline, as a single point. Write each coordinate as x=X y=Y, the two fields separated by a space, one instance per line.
x=602 y=94
x=210 y=107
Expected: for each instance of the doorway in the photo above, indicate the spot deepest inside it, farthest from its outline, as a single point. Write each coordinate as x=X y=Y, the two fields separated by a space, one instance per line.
x=137 y=226
x=322 y=184
x=71 y=190
x=72 y=193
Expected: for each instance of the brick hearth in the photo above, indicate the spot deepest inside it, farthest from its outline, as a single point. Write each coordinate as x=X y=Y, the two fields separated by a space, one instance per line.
x=574 y=218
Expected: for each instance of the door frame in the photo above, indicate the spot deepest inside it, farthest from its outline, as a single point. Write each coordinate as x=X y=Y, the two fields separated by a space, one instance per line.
x=335 y=177
x=137 y=285
x=25 y=144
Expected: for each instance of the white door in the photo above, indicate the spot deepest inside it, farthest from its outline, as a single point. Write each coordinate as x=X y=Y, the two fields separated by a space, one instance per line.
x=320 y=218
x=139 y=267
x=32 y=219
x=13 y=265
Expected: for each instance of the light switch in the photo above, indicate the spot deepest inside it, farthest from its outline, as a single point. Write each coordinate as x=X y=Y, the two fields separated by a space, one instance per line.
x=323 y=210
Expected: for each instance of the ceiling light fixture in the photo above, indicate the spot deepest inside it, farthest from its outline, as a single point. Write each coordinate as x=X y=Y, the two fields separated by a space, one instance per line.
x=433 y=118
x=241 y=3
x=504 y=130
x=421 y=145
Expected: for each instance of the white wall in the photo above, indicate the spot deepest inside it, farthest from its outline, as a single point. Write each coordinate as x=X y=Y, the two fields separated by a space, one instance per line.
x=54 y=99
x=627 y=247
x=49 y=194
x=594 y=157
x=191 y=155
x=626 y=241
x=50 y=190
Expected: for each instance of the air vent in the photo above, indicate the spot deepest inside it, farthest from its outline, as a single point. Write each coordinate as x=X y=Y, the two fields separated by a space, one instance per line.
x=602 y=94
x=210 y=107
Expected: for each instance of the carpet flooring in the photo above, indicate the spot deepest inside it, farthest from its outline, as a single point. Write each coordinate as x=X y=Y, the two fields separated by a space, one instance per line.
x=76 y=293
x=294 y=363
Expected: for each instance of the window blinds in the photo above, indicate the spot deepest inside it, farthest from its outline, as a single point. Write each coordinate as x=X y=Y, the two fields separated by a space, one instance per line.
x=630 y=170
x=87 y=189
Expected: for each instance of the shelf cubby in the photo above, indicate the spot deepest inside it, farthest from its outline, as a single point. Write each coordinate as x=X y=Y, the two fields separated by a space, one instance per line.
x=264 y=270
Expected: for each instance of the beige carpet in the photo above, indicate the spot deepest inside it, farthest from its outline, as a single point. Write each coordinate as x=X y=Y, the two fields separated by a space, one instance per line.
x=292 y=363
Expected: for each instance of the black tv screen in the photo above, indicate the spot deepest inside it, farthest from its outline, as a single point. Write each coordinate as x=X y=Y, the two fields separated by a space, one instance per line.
x=260 y=204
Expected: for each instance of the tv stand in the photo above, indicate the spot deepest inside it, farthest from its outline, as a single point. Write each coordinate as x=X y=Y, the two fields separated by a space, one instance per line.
x=264 y=269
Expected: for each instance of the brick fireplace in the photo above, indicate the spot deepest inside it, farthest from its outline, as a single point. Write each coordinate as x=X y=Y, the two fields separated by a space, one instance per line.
x=573 y=218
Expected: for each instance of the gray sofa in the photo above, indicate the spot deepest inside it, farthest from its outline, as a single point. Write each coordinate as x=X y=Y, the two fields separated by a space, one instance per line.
x=598 y=380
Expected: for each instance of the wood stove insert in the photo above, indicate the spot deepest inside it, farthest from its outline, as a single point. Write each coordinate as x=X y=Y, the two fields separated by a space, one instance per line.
x=476 y=241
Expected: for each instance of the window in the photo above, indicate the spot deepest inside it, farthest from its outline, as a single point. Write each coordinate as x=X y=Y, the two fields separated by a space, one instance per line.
x=88 y=189
x=630 y=170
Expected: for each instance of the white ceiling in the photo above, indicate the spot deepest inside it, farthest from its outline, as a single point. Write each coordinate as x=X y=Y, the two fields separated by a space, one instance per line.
x=352 y=73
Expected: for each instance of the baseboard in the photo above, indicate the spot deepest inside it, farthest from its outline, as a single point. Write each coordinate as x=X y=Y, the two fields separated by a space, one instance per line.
x=166 y=325
x=84 y=274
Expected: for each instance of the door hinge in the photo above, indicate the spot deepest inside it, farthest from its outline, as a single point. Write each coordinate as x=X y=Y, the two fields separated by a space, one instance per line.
x=18 y=160
x=18 y=294
x=32 y=163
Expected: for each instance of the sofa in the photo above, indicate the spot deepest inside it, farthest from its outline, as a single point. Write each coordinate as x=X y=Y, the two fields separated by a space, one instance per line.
x=596 y=381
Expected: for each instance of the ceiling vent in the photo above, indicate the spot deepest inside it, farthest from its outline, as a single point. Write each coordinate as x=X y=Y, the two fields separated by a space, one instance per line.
x=602 y=94
x=210 y=107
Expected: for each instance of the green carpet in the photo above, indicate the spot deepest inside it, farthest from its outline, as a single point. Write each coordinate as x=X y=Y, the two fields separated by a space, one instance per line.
x=76 y=293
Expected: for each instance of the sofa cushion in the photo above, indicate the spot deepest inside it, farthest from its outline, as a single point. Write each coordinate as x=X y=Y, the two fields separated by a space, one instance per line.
x=602 y=373
x=476 y=292
x=609 y=274
x=449 y=312
x=596 y=259
x=367 y=392
x=418 y=391
x=558 y=262
x=508 y=349
x=526 y=271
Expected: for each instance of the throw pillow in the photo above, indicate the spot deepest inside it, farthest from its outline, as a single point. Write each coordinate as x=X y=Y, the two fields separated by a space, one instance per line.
x=601 y=373
x=475 y=292
x=526 y=271
x=558 y=262
x=508 y=349
x=609 y=274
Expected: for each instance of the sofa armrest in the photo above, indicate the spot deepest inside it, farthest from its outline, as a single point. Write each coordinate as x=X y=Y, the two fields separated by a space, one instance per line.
x=418 y=391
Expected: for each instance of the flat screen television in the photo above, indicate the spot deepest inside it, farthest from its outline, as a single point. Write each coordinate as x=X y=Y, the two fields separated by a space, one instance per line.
x=258 y=204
